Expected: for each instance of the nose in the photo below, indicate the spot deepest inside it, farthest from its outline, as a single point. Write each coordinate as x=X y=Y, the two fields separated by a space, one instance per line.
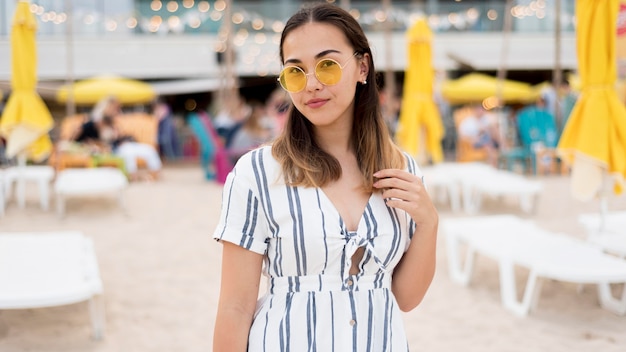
x=312 y=83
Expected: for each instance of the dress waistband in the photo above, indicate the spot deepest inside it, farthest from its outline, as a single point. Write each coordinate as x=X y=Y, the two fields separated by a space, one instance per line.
x=325 y=283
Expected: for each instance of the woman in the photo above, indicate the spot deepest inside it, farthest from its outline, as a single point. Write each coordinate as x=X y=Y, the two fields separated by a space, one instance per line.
x=332 y=212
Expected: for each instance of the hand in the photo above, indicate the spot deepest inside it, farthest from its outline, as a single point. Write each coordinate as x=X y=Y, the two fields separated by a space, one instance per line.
x=403 y=190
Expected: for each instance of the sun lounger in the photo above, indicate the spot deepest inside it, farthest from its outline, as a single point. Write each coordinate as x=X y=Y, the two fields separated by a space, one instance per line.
x=512 y=241
x=50 y=269
x=41 y=174
x=469 y=183
x=498 y=184
x=608 y=231
x=88 y=182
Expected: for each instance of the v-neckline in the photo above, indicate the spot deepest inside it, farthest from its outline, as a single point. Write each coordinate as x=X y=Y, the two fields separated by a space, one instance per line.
x=342 y=218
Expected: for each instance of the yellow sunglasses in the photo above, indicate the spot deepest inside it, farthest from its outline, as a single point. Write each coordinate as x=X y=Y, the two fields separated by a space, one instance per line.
x=328 y=71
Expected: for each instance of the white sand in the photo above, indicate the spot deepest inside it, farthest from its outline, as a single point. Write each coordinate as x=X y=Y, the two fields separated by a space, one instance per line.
x=161 y=278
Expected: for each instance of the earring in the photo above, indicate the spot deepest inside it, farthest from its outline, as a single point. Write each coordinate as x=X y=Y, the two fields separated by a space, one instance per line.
x=364 y=82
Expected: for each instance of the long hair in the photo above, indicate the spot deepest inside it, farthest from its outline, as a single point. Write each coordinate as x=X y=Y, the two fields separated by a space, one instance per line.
x=303 y=162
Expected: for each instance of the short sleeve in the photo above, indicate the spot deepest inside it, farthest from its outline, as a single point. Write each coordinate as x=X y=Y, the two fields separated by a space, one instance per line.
x=241 y=221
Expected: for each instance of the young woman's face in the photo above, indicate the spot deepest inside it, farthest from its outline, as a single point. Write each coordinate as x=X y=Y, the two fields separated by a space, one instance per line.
x=324 y=105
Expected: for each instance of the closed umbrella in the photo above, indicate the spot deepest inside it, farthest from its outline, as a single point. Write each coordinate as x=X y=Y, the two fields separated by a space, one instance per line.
x=92 y=90
x=594 y=138
x=26 y=120
x=476 y=87
x=419 y=116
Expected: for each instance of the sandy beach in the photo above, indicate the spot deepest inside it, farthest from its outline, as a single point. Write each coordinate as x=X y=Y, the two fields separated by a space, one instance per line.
x=161 y=270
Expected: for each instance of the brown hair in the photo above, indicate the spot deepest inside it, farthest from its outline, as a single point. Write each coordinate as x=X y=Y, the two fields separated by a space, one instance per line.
x=303 y=162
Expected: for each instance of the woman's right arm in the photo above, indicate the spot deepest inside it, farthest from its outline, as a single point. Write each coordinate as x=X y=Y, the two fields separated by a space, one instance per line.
x=241 y=274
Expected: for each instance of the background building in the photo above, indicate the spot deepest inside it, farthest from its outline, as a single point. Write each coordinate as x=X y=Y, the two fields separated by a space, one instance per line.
x=178 y=44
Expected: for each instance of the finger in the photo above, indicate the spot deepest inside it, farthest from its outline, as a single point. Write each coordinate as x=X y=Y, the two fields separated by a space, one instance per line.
x=400 y=194
x=397 y=173
x=391 y=182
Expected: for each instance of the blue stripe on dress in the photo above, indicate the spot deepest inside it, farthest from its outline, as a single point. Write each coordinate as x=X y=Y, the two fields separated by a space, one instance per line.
x=300 y=232
x=354 y=327
x=230 y=185
x=311 y=322
x=344 y=258
x=397 y=234
x=387 y=320
x=267 y=314
x=260 y=176
x=285 y=325
x=294 y=217
x=250 y=223
x=319 y=207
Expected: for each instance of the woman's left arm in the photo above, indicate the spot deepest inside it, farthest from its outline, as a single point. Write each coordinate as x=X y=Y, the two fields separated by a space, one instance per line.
x=413 y=275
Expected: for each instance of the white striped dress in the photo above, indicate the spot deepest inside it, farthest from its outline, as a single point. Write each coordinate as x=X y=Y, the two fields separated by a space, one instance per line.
x=313 y=303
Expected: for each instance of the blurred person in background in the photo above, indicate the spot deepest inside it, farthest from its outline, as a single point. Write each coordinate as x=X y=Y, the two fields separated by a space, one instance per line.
x=167 y=137
x=254 y=131
x=277 y=109
x=100 y=131
x=481 y=129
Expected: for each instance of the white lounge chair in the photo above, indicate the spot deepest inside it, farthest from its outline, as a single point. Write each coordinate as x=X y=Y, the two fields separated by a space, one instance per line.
x=40 y=174
x=512 y=241
x=608 y=231
x=88 y=182
x=468 y=183
x=50 y=269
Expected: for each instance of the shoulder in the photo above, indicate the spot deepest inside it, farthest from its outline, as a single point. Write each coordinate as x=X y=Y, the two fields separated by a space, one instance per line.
x=411 y=165
x=258 y=164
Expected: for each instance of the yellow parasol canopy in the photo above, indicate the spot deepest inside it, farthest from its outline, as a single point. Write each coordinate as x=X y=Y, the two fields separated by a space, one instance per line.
x=419 y=116
x=476 y=87
x=25 y=120
x=92 y=90
x=594 y=139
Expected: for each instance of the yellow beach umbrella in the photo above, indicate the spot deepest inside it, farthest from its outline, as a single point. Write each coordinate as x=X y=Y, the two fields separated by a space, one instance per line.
x=92 y=90
x=26 y=120
x=419 y=116
x=594 y=139
x=475 y=87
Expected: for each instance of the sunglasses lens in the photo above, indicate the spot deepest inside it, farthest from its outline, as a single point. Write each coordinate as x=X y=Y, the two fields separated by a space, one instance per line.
x=328 y=72
x=292 y=79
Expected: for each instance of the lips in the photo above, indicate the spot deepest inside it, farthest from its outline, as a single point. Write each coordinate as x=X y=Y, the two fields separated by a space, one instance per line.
x=316 y=103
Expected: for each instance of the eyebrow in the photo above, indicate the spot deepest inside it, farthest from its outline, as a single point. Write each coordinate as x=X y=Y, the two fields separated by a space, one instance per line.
x=318 y=56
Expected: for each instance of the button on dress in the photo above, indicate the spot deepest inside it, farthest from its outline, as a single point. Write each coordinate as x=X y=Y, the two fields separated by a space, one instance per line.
x=313 y=303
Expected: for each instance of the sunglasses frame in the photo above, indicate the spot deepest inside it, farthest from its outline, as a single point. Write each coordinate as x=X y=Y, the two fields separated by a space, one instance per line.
x=306 y=75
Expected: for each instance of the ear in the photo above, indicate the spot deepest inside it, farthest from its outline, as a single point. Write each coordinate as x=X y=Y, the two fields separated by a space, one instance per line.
x=364 y=67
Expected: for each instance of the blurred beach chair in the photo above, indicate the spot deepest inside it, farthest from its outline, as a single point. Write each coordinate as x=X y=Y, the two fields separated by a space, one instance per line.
x=465 y=185
x=607 y=231
x=496 y=183
x=514 y=242
x=50 y=269
x=17 y=177
x=88 y=182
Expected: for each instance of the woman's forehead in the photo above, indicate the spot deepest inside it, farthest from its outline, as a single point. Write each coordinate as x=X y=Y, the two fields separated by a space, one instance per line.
x=314 y=38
